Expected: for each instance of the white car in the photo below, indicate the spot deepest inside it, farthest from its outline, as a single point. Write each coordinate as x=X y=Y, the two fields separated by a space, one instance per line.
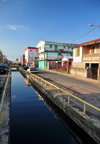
x=32 y=69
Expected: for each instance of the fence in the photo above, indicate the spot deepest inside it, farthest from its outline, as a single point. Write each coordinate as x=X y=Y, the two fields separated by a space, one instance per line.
x=4 y=97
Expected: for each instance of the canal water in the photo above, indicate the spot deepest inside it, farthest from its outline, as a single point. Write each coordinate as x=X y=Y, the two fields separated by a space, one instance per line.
x=33 y=121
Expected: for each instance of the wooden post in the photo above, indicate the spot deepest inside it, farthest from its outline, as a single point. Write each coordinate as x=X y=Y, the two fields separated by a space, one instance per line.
x=68 y=66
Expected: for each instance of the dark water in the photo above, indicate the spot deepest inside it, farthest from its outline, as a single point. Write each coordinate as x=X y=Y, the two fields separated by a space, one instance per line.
x=33 y=121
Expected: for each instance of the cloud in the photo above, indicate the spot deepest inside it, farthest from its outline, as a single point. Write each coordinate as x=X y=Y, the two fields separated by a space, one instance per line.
x=26 y=28
x=13 y=27
x=16 y=26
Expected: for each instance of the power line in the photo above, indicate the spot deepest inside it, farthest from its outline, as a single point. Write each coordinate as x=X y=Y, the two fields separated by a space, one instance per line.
x=84 y=34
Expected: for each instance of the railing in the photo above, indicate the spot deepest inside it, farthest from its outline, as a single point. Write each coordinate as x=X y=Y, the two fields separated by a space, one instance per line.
x=4 y=97
x=59 y=89
x=90 y=57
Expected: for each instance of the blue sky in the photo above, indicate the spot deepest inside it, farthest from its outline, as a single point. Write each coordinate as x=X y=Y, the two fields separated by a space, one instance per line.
x=24 y=23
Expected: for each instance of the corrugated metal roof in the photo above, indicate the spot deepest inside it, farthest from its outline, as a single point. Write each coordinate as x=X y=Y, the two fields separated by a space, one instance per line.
x=89 y=42
x=57 y=42
x=68 y=57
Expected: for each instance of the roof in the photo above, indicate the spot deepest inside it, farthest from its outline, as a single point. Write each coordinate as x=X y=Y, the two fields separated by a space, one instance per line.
x=89 y=42
x=57 y=42
x=67 y=57
x=31 y=48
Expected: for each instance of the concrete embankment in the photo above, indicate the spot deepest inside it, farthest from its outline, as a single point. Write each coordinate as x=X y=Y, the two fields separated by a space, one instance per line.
x=89 y=123
x=5 y=127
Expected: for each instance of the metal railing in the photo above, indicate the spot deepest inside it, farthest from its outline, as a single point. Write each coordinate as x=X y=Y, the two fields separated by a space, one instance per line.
x=4 y=97
x=59 y=89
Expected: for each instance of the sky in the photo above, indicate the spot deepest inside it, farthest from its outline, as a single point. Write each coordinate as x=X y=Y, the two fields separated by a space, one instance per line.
x=23 y=23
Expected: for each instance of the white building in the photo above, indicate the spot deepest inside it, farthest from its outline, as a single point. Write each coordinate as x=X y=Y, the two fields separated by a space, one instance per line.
x=51 y=51
x=30 y=53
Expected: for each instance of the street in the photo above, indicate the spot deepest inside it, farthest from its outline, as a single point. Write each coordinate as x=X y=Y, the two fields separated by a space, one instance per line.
x=71 y=84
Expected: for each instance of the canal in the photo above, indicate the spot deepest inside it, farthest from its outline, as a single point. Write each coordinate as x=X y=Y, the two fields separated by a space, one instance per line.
x=33 y=120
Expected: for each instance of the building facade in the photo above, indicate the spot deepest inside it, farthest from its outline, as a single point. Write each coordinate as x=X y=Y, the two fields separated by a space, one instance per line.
x=86 y=59
x=22 y=59
x=30 y=54
x=52 y=51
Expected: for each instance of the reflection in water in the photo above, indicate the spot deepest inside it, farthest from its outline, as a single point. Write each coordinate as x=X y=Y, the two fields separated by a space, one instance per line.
x=56 y=116
x=27 y=82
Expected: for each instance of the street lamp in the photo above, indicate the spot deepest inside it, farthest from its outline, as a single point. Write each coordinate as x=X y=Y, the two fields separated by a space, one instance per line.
x=90 y=25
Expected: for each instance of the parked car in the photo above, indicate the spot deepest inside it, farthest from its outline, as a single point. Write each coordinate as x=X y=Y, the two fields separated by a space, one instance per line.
x=32 y=69
x=7 y=66
x=3 y=69
x=25 y=67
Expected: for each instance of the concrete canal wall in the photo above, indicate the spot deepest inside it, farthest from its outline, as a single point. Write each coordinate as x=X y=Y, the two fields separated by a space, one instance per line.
x=87 y=122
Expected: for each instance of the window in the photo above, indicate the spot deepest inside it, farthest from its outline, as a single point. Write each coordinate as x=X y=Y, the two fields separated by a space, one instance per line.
x=77 y=52
x=64 y=47
x=55 y=47
x=92 y=49
x=87 y=65
x=50 y=46
x=68 y=47
x=39 y=48
x=30 y=50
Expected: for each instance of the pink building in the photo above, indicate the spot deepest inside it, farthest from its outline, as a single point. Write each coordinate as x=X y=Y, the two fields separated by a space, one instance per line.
x=30 y=54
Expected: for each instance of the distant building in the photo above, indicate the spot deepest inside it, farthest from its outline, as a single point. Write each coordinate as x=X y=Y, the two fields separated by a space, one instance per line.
x=86 y=59
x=30 y=55
x=19 y=60
x=51 y=51
x=22 y=59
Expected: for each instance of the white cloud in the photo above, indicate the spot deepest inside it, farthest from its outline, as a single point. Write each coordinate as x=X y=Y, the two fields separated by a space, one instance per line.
x=16 y=26
x=26 y=28
x=11 y=27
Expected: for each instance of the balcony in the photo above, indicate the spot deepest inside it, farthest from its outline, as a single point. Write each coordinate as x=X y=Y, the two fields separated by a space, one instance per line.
x=93 y=58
